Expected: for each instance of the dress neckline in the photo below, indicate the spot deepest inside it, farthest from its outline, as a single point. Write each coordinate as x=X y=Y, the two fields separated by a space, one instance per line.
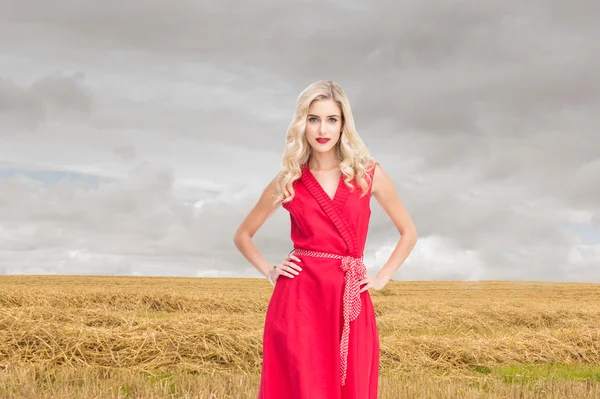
x=337 y=189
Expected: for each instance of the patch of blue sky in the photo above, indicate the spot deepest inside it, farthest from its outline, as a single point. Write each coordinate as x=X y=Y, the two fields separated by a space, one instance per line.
x=48 y=177
x=590 y=235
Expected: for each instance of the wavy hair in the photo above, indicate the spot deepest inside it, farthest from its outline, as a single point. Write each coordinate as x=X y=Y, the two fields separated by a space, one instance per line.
x=355 y=161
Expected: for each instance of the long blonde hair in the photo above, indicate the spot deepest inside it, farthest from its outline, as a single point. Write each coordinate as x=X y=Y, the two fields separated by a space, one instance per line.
x=355 y=161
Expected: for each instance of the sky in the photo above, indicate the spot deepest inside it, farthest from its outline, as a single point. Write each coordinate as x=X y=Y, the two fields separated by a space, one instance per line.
x=136 y=136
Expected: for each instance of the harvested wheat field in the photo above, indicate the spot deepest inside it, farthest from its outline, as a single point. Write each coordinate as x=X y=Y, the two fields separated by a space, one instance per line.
x=153 y=337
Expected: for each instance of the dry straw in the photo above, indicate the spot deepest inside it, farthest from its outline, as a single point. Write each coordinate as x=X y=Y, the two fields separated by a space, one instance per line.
x=214 y=327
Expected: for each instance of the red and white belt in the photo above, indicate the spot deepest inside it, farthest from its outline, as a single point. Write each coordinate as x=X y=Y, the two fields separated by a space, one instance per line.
x=354 y=271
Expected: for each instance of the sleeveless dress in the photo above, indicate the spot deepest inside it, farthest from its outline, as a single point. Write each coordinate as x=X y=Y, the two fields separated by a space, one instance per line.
x=310 y=351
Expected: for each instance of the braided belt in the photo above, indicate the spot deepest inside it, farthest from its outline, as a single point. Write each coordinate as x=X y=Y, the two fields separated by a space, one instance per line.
x=354 y=271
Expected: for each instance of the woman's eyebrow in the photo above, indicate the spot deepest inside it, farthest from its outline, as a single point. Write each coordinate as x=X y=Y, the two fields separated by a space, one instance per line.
x=318 y=116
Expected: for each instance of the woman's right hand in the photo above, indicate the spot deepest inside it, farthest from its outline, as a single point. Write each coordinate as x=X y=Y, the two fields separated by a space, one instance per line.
x=286 y=268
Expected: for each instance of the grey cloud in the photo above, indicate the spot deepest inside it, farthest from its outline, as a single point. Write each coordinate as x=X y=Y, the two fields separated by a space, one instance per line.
x=484 y=114
x=125 y=152
x=48 y=97
x=292 y=40
x=122 y=223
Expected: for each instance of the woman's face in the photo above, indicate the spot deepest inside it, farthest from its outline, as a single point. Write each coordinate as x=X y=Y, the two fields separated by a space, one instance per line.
x=324 y=121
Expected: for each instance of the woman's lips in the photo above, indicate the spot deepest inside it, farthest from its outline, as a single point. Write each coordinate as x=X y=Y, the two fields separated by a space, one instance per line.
x=322 y=141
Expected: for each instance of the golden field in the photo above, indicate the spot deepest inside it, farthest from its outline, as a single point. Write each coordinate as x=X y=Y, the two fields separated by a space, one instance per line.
x=154 y=337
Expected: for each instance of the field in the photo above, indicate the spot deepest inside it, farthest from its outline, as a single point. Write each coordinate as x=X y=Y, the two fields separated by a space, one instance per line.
x=152 y=337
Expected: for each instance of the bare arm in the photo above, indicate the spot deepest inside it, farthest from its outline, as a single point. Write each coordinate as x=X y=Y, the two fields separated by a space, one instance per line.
x=255 y=219
x=385 y=193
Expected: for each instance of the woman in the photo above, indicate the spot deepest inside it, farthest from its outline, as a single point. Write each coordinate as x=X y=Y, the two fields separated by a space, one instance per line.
x=320 y=339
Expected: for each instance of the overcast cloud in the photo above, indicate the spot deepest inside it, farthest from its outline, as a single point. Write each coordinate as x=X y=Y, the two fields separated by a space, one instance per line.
x=136 y=136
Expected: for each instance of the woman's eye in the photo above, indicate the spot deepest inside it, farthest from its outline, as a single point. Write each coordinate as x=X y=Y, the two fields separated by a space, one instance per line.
x=314 y=119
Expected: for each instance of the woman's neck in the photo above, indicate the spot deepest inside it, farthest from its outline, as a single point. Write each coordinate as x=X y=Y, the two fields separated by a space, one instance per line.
x=323 y=163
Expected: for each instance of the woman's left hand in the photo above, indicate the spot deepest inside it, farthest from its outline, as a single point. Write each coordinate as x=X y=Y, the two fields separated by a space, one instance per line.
x=372 y=282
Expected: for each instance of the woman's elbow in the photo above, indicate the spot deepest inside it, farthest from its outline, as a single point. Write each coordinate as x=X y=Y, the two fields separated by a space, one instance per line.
x=240 y=236
x=410 y=234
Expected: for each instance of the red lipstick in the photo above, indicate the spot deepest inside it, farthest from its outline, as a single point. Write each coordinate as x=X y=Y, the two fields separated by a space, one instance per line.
x=322 y=140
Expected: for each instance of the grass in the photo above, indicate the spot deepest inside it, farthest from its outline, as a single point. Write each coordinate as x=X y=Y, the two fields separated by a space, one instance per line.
x=528 y=373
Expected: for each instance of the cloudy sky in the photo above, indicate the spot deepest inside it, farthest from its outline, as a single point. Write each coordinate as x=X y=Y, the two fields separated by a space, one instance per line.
x=135 y=136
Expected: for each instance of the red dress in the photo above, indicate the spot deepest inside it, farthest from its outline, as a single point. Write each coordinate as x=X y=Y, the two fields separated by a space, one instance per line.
x=307 y=351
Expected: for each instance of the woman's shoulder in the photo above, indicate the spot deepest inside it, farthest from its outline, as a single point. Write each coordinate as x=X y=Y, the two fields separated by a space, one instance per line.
x=371 y=170
x=371 y=166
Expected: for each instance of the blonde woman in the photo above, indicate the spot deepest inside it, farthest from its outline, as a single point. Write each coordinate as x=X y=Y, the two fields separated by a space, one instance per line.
x=320 y=337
